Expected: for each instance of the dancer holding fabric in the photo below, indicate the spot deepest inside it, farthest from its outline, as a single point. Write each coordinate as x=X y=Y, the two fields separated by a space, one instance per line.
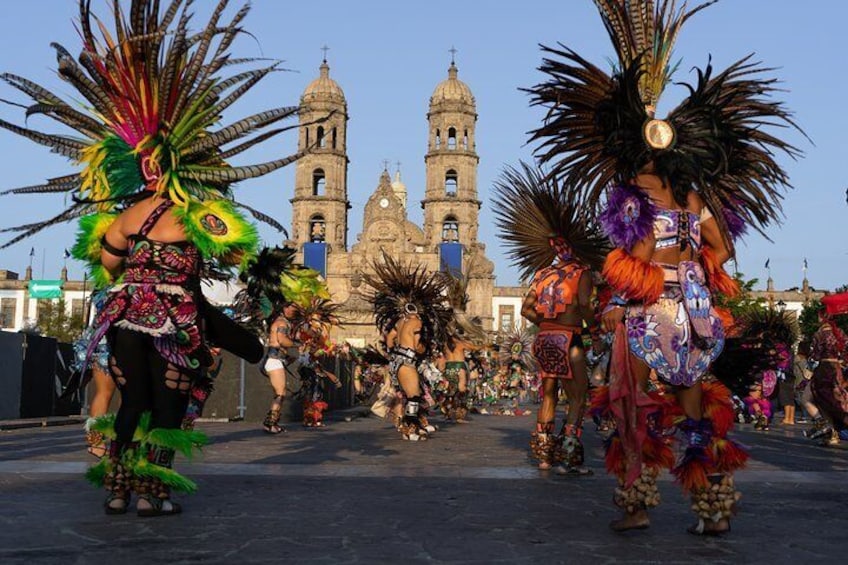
x=684 y=186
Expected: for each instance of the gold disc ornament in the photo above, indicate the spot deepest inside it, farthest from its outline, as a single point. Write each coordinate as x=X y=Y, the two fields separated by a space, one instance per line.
x=658 y=134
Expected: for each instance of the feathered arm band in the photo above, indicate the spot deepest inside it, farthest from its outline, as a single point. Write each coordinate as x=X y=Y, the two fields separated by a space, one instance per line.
x=636 y=279
x=219 y=231
x=628 y=217
x=717 y=277
x=87 y=246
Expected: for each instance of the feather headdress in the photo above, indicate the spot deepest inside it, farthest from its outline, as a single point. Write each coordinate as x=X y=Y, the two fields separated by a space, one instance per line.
x=400 y=289
x=463 y=326
x=312 y=322
x=535 y=215
x=600 y=127
x=154 y=93
x=516 y=346
x=763 y=340
x=272 y=279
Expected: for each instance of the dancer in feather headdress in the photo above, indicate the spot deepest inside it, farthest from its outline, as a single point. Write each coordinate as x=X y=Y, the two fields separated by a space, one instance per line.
x=829 y=353
x=757 y=360
x=310 y=328
x=554 y=239
x=409 y=303
x=154 y=204
x=684 y=187
x=464 y=336
x=276 y=292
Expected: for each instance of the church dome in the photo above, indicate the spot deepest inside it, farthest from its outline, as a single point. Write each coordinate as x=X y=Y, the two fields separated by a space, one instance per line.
x=452 y=89
x=399 y=189
x=323 y=87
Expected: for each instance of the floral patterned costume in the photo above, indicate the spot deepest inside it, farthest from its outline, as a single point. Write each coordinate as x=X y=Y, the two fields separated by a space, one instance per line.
x=159 y=296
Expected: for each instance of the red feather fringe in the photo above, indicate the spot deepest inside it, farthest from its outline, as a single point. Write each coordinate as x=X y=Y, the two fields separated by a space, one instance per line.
x=600 y=400
x=727 y=320
x=729 y=455
x=657 y=452
x=672 y=413
x=635 y=278
x=717 y=277
x=692 y=475
x=716 y=405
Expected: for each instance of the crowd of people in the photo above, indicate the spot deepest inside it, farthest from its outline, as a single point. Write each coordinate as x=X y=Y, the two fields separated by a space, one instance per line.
x=621 y=229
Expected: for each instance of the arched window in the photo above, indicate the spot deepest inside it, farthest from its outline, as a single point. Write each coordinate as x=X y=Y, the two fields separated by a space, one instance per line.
x=451 y=183
x=322 y=141
x=452 y=138
x=317 y=229
x=450 y=230
x=438 y=139
x=465 y=140
x=319 y=182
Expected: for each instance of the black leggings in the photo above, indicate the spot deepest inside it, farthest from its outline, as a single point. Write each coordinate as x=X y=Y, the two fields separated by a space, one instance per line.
x=147 y=383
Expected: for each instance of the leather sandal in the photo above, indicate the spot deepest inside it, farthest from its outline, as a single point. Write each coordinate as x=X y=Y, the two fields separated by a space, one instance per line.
x=111 y=509
x=271 y=424
x=158 y=507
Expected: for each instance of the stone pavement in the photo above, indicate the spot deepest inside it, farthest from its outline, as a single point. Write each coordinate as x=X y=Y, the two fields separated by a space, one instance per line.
x=351 y=493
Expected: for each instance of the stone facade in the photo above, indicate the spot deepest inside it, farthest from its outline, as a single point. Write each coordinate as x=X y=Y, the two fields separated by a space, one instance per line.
x=451 y=205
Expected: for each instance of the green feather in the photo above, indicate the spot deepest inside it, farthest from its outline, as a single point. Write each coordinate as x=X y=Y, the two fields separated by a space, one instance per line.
x=168 y=476
x=176 y=439
x=218 y=230
x=97 y=473
x=121 y=167
x=105 y=425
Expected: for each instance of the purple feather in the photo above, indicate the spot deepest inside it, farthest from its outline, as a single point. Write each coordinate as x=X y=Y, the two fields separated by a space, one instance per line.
x=628 y=217
x=735 y=223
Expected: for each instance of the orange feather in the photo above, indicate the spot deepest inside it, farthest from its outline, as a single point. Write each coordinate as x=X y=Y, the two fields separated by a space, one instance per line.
x=635 y=278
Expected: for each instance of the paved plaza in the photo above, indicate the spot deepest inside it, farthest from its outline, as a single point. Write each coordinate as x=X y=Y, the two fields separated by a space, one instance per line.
x=352 y=493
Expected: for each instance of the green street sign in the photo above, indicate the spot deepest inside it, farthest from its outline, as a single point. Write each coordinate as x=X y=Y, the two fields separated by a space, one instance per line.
x=47 y=289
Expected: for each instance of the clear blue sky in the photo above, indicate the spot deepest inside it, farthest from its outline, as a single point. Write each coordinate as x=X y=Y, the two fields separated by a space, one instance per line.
x=388 y=56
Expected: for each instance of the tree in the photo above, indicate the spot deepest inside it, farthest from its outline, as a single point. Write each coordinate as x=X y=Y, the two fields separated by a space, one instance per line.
x=809 y=318
x=745 y=301
x=55 y=322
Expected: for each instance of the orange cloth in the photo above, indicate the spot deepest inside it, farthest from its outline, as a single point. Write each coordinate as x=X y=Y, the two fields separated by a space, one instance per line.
x=556 y=287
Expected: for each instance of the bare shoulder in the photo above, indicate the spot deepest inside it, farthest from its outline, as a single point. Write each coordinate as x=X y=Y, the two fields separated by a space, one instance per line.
x=133 y=217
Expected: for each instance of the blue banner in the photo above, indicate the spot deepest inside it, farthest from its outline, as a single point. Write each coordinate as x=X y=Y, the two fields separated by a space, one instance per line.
x=315 y=257
x=450 y=258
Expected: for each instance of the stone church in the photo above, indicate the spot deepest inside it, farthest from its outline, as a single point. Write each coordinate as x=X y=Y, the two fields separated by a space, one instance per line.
x=448 y=238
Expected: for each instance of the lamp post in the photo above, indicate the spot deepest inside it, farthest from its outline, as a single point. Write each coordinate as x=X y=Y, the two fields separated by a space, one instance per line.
x=86 y=306
x=781 y=306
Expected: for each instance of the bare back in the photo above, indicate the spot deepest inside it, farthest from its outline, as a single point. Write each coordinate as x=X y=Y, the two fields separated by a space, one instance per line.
x=167 y=229
x=575 y=313
x=409 y=331
x=457 y=352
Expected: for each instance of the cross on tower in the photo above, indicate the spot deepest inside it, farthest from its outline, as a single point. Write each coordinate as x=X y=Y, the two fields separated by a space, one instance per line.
x=385 y=164
x=452 y=51
x=325 y=49
x=398 y=165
